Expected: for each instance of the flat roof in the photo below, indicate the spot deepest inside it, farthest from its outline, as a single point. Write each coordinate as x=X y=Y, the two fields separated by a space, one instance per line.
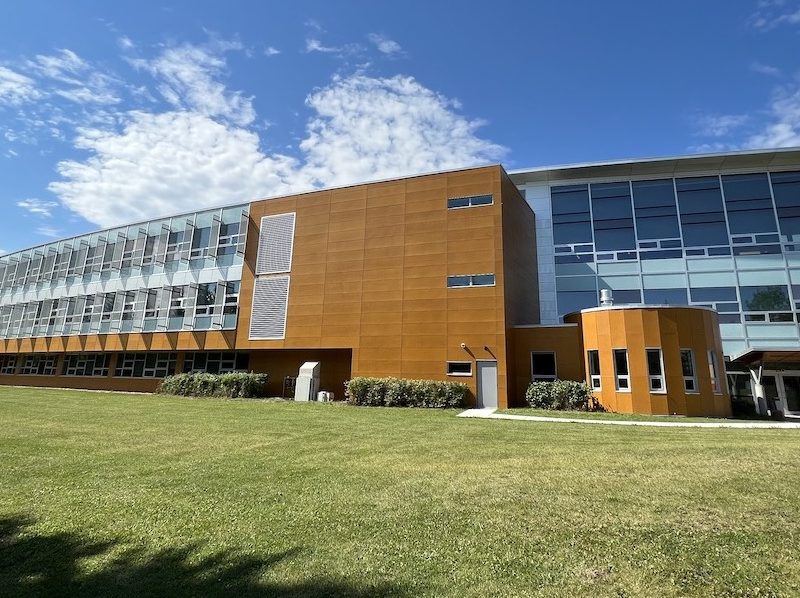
x=755 y=355
x=780 y=158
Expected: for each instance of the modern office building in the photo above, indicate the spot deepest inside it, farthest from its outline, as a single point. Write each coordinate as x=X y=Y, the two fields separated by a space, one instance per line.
x=472 y=275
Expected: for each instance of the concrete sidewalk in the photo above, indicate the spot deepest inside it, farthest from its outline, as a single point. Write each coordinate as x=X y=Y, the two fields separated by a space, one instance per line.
x=492 y=414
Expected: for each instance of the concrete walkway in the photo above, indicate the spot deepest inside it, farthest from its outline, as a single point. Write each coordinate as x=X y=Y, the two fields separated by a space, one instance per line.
x=492 y=414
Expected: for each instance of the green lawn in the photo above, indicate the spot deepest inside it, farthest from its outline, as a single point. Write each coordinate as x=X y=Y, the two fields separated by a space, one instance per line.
x=113 y=494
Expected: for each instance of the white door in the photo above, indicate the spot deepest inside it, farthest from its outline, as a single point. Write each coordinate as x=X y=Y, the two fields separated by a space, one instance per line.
x=487 y=384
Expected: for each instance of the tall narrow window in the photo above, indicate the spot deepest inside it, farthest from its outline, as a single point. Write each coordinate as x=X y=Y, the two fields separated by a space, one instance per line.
x=712 y=371
x=593 y=358
x=621 y=370
x=687 y=364
x=543 y=367
x=655 y=370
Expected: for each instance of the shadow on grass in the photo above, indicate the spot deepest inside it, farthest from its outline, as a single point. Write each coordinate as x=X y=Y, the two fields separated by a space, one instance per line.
x=49 y=565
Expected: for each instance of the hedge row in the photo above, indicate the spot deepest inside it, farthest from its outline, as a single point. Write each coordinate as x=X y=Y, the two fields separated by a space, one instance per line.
x=231 y=385
x=394 y=392
x=561 y=395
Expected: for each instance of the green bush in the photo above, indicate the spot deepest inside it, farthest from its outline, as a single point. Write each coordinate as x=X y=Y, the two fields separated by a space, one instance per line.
x=232 y=385
x=562 y=395
x=395 y=392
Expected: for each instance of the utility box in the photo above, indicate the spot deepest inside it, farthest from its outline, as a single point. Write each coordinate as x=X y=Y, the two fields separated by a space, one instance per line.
x=307 y=384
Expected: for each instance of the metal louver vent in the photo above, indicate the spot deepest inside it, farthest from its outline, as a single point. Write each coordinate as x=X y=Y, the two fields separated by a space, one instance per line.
x=268 y=317
x=275 y=244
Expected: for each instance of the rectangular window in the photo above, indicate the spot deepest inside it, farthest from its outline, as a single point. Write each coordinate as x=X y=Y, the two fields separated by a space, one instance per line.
x=145 y=365
x=612 y=215
x=87 y=364
x=713 y=372
x=655 y=370
x=572 y=222
x=470 y=280
x=765 y=298
x=655 y=209
x=38 y=365
x=543 y=366
x=701 y=212
x=687 y=365
x=621 y=370
x=228 y=239
x=459 y=368
x=749 y=203
x=593 y=359
x=469 y=202
x=786 y=190
x=8 y=364
x=665 y=297
x=215 y=362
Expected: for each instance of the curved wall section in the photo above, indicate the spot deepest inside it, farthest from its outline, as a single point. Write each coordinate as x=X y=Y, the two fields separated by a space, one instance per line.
x=655 y=359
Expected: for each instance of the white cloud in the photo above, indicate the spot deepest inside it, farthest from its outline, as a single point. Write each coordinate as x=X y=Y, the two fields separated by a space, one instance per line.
x=772 y=14
x=188 y=80
x=39 y=207
x=15 y=88
x=384 y=44
x=765 y=69
x=126 y=43
x=368 y=128
x=783 y=128
x=271 y=51
x=720 y=125
x=161 y=164
x=363 y=129
x=49 y=231
x=314 y=45
x=62 y=66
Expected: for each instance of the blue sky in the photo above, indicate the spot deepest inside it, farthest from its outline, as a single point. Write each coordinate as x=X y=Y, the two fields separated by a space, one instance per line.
x=113 y=112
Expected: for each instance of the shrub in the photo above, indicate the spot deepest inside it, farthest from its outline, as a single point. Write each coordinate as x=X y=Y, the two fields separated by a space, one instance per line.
x=396 y=392
x=562 y=395
x=231 y=385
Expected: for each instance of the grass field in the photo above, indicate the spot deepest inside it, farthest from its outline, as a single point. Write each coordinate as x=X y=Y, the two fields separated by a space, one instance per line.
x=641 y=417
x=114 y=494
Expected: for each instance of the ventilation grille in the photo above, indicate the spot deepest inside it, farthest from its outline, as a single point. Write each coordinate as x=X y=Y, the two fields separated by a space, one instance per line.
x=268 y=318
x=275 y=244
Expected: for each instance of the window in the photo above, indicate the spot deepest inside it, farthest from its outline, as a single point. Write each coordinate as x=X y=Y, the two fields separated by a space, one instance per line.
x=786 y=190
x=145 y=365
x=570 y=301
x=571 y=220
x=470 y=280
x=749 y=203
x=713 y=372
x=655 y=370
x=469 y=202
x=206 y=298
x=87 y=364
x=765 y=298
x=593 y=359
x=8 y=364
x=215 y=362
x=174 y=246
x=714 y=294
x=612 y=215
x=621 y=370
x=543 y=367
x=687 y=365
x=459 y=368
x=623 y=296
x=655 y=208
x=38 y=365
x=200 y=243
x=228 y=239
x=701 y=212
x=665 y=297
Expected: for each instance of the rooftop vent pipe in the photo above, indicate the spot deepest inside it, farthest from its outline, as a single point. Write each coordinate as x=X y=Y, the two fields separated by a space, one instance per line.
x=606 y=297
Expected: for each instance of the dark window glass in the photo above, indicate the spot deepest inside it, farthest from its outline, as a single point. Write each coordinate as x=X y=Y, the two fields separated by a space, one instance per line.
x=748 y=203
x=543 y=365
x=767 y=239
x=701 y=212
x=656 y=212
x=460 y=202
x=458 y=281
x=594 y=363
x=765 y=298
x=786 y=190
x=571 y=220
x=757 y=250
x=665 y=297
x=687 y=363
x=463 y=368
x=626 y=255
x=483 y=280
x=654 y=362
x=727 y=307
x=695 y=252
x=613 y=216
x=621 y=361
x=569 y=301
x=730 y=318
x=671 y=243
x=785 y=317
x=713 y=294
x=574 y=259
x=719 y=251
x=628 y=296
x=661 y=255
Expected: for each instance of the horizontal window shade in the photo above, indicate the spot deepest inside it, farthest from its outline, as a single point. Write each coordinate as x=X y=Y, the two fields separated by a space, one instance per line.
x=268 y=318
x=275 y=244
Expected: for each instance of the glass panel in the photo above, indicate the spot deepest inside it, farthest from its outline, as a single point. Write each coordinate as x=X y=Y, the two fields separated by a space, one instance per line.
x=594 y=363
x=571 y=220
x=748 y=203
x=655 y=208
x=765 y=298
x=791 y=386
x=543 y=364
x=569 y=301
x=714 y=294
x=687 y=364
x=654 y=362
x=665 y=297
x=621 y=362
x=701 y=212
x=786 y=190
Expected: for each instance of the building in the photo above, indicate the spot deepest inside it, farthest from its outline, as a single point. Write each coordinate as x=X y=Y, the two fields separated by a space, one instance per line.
x=473 y=275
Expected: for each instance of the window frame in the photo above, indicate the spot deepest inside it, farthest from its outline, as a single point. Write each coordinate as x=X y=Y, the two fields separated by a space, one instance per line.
x=545 y=377
x=659 y=378
x=622 y=377
x=595 y=379
x=469 y=199
x=471 y=278
x=691 y=378
x=459 y=374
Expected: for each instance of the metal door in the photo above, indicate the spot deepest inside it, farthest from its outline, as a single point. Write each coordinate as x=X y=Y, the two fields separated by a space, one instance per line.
x=487 y=384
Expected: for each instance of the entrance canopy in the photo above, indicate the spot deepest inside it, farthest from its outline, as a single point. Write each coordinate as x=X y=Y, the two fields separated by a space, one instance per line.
x=777 y=356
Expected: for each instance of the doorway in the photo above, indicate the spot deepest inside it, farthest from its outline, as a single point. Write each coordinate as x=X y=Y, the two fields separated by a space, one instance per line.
x=487 y=384
x=784 y=389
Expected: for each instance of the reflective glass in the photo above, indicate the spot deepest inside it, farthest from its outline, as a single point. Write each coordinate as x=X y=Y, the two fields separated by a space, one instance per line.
x=665 y=297
x=765 y=298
